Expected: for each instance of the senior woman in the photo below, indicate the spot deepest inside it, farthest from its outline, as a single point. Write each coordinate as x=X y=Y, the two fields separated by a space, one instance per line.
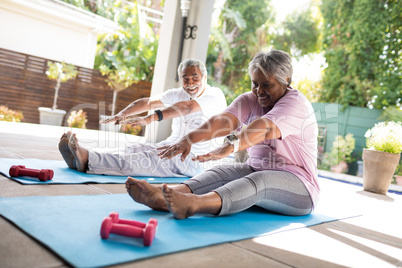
x=280 y=133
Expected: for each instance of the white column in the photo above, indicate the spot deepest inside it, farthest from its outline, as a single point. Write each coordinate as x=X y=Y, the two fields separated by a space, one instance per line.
x=166 y=65
x=200 y=15
x=169 y=43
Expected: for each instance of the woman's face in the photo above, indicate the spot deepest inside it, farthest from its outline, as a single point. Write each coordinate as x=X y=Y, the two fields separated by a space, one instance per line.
x=268 y=91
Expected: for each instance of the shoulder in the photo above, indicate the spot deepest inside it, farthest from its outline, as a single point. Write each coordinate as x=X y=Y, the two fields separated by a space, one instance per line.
x=212 y=94
x=178 y=90
x=176 y=93
x=294 y=97
x=212 y=91
x=247 y=97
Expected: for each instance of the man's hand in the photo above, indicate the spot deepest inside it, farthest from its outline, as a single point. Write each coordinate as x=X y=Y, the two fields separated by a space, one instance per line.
x=137 y=121
x=118 y=118
x=219 y=153
x=183 y=147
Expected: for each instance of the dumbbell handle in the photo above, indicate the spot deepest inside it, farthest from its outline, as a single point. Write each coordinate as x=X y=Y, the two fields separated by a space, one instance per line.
x=116 y=219
x=127 y=230
x=29 y=172
x=132 y=223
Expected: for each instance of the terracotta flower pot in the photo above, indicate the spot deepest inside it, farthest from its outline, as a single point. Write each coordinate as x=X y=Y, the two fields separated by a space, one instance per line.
x=378 y=170
x=398 y=180
x=342 y=167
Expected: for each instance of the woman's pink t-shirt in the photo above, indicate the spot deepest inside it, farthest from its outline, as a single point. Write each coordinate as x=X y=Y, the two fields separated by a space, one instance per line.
x=296 y=150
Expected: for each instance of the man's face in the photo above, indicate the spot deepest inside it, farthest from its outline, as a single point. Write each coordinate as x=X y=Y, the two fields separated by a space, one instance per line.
x=193 y=81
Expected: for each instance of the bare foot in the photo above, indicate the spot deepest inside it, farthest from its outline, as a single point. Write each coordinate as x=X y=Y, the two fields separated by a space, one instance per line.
x=144 y=193
x=65 y=151
x=80 y=154
x=182 y=205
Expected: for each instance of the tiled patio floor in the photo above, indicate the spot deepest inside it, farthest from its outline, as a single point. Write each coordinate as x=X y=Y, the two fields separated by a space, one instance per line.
x=373 y=239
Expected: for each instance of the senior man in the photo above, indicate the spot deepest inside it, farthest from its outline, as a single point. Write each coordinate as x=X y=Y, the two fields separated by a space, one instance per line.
x=190 y=106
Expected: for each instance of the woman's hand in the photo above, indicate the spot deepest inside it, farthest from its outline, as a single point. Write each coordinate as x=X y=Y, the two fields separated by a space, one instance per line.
x=137 y=121
x=118 y=118
x=219 y=153
x=183 y=147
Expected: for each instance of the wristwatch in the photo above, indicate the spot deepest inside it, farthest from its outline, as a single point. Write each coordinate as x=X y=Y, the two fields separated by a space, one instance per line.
x=233 y=140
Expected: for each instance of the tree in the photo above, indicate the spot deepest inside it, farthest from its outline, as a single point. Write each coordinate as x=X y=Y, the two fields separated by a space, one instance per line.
x=233 y=39
x=300 y=33
x=362 y=44
x=246 y=27
x=61 y=72
x=128 y=55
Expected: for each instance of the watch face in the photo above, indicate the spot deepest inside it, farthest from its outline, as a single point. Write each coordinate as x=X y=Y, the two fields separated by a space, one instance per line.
x=231 y=137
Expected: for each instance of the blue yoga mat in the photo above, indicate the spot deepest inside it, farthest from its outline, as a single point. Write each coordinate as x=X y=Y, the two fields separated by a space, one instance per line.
x=65 y=175
x=70 y=226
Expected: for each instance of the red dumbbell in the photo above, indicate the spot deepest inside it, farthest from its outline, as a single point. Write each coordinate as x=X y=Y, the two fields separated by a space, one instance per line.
x=147 y=233
x=43 y=174
x=115 y=218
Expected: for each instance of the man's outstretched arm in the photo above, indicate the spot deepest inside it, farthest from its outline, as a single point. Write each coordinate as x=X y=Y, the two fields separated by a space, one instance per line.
x=177 y=110
x=136 y=107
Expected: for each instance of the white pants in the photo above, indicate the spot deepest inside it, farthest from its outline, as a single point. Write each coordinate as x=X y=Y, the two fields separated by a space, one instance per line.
x=141 y=160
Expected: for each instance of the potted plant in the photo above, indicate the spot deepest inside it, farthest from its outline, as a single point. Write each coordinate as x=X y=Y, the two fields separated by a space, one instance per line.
x=61 y=72
x=398 y=175
x=9 y=115
x=77 y=119
x=133 y=130
x=340 y=155
x=118 y=77
x=382 y=155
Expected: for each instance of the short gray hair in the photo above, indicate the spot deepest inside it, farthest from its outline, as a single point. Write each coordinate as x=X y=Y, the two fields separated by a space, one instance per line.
x=192 y=62
x=274 y=62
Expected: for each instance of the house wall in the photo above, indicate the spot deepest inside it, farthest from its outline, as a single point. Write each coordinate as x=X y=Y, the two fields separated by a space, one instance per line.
x=51 y=29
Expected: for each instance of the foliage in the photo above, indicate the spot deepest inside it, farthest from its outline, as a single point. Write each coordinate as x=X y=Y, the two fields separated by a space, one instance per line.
x=128 y=55
x=342 y=149
x=300 y=33
x=309 y=88
x=9 y=115
x=61 y=72
x=385 y=137
x=133 y=130
x=246 y=27
x=77 y=119
x=363 y=46
x=132 y=48
x=392 y=113
x=120 y=78
x=235 y=39
x=398 y=170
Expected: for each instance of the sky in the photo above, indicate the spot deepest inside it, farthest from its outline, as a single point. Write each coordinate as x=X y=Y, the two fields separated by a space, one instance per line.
x=285 y=7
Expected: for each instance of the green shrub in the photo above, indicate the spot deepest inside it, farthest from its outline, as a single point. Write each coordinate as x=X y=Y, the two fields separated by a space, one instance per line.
x=10 y=115
x=133 y=130
x=385 y=137
x=342 y=149
x=77 y=119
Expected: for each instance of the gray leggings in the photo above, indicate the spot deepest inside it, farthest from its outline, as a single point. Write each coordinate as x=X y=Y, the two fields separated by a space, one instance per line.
x=240 y=187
